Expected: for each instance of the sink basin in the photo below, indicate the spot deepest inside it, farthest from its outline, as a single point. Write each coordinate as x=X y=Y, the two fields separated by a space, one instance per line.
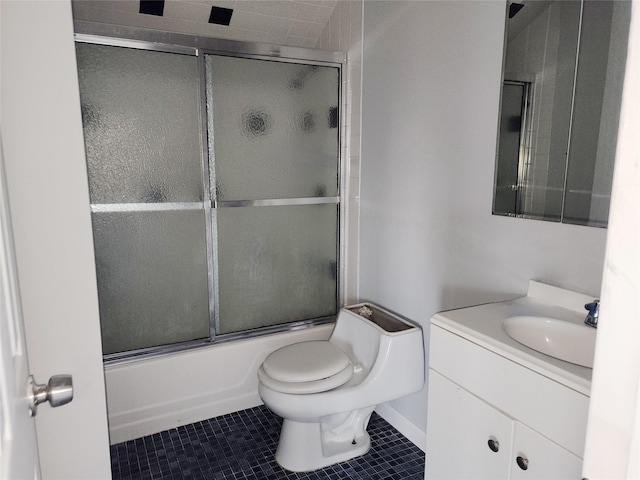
x=568 y=341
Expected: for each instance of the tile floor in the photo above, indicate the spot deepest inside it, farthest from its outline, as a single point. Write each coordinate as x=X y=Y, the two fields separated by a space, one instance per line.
x=242 y=445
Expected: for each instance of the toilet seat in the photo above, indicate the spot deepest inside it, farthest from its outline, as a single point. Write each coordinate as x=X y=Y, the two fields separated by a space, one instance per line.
x=306 y=367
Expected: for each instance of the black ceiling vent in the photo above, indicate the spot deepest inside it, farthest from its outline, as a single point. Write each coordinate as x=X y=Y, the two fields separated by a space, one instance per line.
x=220 y=16
x=515 y=8
x=152 y=7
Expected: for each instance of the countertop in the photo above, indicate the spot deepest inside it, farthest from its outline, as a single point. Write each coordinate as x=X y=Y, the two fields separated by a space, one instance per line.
x=482 y=325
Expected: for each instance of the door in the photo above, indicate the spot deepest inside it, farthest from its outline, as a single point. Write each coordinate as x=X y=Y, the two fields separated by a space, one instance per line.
x=47 y=189
x=18 y=449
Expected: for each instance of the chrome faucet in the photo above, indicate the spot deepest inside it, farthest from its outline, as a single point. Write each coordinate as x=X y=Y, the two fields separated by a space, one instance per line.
x=594 y=312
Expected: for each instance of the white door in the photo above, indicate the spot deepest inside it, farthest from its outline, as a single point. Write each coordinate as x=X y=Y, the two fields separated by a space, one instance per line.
x=18 y=449
x=47 y=188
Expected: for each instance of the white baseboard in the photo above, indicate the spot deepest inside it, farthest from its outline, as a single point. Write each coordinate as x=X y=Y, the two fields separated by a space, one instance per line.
x=403 y=425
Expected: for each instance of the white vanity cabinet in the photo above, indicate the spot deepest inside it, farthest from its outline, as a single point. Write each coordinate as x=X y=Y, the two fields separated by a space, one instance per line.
x=493 y=414
x=471 y=439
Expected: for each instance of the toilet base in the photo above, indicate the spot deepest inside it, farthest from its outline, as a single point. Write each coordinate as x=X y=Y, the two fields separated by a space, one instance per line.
x=304 y=446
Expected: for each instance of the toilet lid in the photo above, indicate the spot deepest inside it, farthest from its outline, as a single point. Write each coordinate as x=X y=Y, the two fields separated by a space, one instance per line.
x=306 y=361
x=306 y=367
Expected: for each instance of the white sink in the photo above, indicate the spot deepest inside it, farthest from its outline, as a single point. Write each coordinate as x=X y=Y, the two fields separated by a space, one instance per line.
x=568 y=341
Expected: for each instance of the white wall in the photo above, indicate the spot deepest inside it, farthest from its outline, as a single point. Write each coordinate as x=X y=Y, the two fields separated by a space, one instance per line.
x=428 y=241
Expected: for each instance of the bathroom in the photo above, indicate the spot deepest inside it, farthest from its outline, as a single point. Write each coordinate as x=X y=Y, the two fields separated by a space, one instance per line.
x=426 y=239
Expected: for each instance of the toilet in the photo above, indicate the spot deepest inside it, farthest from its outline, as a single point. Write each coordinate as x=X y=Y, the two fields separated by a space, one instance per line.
x=326 y=390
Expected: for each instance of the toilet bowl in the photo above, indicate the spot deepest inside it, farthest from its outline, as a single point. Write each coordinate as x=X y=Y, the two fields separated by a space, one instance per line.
x=326 y=390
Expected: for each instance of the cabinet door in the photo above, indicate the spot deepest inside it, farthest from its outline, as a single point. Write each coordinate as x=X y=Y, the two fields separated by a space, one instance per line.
x=460 y=427
x=544 y=458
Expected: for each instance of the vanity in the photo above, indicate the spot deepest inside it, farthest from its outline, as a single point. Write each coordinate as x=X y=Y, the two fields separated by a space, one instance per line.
x=499 y=409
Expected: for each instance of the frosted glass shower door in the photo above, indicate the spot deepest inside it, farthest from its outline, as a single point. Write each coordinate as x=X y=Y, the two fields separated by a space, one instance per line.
x=192 y=240
x=273 y=152
x=141 y=119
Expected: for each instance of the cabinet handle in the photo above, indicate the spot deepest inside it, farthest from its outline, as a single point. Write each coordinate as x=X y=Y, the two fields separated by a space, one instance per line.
x=494 y=445
x=523 y=462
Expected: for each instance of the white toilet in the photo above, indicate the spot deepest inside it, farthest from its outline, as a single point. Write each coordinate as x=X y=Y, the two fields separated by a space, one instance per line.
x=326 y=390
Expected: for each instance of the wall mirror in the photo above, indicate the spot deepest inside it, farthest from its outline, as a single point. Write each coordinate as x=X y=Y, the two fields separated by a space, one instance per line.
x=564 y=66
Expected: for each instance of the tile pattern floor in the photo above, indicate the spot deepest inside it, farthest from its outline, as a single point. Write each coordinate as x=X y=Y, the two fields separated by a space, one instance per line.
x=242 y=445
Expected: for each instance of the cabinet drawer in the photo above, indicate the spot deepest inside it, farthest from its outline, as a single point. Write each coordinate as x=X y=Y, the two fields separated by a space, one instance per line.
x=550 y=408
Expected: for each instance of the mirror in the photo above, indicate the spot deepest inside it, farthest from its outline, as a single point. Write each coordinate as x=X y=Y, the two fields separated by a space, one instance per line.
x=562 y=88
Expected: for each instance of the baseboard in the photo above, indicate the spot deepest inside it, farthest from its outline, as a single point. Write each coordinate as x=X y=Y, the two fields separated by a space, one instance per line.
x=403 y=425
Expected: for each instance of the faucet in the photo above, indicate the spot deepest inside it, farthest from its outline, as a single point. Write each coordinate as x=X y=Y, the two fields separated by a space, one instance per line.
x=594 y=312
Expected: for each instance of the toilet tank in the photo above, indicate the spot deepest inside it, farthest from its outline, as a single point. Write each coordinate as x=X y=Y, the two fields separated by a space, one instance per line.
x=360 y=328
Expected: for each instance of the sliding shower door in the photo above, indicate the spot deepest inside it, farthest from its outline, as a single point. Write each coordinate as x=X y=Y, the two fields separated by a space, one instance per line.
x=140 y=112
x=273 y=147
x=214 y=194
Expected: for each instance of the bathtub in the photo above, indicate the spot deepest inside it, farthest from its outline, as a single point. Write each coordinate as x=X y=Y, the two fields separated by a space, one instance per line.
x=147 y=396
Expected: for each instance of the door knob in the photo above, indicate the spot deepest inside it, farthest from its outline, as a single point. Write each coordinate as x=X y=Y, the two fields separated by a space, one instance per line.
x=58 y=391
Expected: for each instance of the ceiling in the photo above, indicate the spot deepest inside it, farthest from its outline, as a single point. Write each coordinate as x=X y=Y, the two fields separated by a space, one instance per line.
x=297 y=23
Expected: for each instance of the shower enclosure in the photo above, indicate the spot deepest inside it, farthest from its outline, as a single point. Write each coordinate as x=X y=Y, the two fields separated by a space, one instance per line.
x=214 y=177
